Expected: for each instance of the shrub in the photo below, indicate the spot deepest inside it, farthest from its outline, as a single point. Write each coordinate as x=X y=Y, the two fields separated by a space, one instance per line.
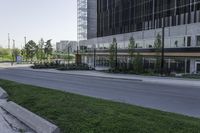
x=58 y=66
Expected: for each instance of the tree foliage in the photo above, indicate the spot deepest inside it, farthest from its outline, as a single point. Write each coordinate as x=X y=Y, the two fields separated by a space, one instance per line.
x=113 y=53
x=30 y=50
x=158 y=43
x=138 y=63
x=15 y=53
x=131 y=50
x=48 y=48
x=40 y=50
x=158 y=47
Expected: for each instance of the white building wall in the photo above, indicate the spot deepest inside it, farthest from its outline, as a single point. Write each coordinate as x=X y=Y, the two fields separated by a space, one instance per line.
x=144 y=38
x=171 y=35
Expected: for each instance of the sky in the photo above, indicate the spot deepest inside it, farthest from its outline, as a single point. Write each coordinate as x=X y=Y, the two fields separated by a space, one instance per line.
x=36 y=19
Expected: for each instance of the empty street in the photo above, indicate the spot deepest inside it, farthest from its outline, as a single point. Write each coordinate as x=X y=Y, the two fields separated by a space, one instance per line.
x=171 y=98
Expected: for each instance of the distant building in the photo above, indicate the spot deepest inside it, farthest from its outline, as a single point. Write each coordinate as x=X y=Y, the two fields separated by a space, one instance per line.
x=63 y=46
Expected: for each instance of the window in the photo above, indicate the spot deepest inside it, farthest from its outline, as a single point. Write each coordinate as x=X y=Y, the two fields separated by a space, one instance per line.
x=198 y=41
x=188 y=41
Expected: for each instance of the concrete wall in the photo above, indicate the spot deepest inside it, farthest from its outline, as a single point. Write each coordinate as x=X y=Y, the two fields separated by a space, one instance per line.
x=149 y=35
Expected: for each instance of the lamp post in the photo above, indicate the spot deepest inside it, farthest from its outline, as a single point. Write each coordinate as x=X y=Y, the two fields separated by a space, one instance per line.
x=94 y=57
x=163 y=51
x=68 y=54
x=116 y=63
x=77 y=56
x=163 y=44
x=13 y=56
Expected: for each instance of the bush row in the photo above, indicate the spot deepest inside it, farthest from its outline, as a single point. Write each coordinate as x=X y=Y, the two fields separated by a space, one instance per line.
x=58 y=66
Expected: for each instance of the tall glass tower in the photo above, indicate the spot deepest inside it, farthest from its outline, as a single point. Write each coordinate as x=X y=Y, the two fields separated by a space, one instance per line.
x=82 y=20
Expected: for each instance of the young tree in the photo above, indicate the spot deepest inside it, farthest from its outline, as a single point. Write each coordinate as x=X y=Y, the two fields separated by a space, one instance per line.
x=48 y=49
x=23 y=53
x=131 y=49
x=113 y=54
x=157 y=47
x=138 y=63
x=37 y=55
x=40 y=50
x=15 y=53
x=30 y=50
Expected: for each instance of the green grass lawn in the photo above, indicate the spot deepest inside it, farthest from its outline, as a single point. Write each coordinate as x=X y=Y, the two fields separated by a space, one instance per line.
x=80 y=114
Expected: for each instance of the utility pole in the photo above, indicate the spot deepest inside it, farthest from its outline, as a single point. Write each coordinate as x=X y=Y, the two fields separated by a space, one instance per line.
x=8 y=40
x=94 y=57
x=13 y=44
x=13 y=51
x=24 y=40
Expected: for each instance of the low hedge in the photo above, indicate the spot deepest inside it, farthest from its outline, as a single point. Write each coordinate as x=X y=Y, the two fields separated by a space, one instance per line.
x=56 y=65
x=74 y=67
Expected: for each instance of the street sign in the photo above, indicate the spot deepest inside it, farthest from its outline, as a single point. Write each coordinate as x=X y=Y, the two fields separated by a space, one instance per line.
x=19 y=59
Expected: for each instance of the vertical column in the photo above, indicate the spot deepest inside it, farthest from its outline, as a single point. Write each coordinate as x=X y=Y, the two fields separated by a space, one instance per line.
x=185 y=65
x=192 y=66
x=169 y=64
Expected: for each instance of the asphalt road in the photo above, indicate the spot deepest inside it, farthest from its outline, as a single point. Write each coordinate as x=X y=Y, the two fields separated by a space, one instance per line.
x=171 y=98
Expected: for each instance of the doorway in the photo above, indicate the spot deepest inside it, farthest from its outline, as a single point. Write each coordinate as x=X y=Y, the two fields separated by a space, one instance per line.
x=197 y=67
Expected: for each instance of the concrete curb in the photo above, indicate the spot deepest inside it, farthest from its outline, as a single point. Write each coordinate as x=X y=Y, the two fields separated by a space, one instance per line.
x=32 y=120
x=3 y=94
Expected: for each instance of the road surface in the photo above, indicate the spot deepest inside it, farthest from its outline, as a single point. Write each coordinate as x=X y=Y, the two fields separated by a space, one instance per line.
x=171 y=98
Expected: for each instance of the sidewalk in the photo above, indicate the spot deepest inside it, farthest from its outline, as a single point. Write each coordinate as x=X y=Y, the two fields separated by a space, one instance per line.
x=149 y=79
x=9 y=65
x=4 y=127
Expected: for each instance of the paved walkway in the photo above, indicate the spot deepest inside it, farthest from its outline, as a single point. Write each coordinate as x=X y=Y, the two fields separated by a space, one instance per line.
x=9 y=124
x=4 y=126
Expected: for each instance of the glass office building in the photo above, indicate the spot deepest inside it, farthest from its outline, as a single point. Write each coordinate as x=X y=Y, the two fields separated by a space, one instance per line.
x=124 y=16
x=143 y=20
x=82 y=20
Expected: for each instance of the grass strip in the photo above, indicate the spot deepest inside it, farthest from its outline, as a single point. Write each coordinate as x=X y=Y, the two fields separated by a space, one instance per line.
x=80 y=114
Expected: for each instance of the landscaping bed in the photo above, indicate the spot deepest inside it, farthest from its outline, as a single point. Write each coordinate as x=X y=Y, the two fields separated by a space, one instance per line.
x=58 y=66
x=80 y=114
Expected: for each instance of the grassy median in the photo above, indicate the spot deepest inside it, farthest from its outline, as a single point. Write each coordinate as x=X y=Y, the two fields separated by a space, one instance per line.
x=80 y=114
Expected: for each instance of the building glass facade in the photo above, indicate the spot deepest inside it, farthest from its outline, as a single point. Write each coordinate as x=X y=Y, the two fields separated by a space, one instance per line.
x=143 y=20
x=82 y=20
x=124 y=16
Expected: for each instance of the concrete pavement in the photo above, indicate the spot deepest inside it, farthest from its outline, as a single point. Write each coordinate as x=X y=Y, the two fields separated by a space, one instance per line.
x=9 y=124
